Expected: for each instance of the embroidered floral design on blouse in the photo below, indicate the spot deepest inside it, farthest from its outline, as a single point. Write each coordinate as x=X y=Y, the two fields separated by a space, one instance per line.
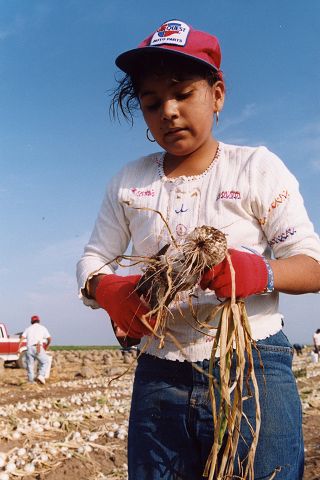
x=283 y=236
x=281 y=198
x=182 y=209
x=229 y=195
x=143 y=192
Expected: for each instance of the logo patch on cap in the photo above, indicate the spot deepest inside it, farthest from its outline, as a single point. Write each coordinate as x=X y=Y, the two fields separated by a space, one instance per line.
x=173 y=32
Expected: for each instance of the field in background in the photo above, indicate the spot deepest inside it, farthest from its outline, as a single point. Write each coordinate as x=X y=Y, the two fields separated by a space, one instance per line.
x=57 y=348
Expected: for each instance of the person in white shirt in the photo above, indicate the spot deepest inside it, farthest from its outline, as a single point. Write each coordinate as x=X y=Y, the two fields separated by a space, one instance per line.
x=36 y=335
x=316 y=341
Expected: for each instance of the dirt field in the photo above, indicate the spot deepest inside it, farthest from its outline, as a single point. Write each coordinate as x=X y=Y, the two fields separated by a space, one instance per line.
x=75 y=427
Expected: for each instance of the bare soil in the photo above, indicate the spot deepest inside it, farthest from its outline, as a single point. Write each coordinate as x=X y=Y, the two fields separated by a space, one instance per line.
x=75 y=426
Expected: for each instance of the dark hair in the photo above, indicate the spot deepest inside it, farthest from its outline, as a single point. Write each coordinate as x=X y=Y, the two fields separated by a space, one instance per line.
x=125 y=97
x=318 y=330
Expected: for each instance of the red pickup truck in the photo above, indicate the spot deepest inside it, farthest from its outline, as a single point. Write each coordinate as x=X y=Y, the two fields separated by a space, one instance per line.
x=9 y=347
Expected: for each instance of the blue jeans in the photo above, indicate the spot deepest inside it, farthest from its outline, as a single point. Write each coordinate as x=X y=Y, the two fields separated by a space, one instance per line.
x=171 y=430
x=42 y=358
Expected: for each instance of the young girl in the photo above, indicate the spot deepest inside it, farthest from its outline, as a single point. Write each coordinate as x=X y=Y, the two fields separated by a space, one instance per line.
x=174 y=77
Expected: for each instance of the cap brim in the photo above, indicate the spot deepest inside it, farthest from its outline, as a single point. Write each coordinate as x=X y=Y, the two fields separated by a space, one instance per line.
x=127 y=61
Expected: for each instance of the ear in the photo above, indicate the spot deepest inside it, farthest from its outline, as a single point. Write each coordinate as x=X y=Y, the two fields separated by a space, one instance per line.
x=218 y=91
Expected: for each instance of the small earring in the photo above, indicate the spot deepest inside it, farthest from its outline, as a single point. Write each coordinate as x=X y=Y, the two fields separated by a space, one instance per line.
x=217 y=117
x=147 y=135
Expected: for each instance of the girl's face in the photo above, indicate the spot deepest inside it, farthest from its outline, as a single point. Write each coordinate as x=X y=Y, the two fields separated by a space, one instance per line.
x=179 y=114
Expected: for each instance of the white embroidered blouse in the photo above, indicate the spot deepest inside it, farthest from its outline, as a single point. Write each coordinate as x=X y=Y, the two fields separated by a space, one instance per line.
x=247 y=192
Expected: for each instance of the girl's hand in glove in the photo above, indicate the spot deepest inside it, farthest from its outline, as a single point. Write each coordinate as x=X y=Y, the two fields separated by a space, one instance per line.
x=251 y=275
x=116 y=294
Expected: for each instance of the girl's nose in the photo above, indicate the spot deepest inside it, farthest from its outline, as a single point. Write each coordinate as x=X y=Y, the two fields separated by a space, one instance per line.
x=169 y=109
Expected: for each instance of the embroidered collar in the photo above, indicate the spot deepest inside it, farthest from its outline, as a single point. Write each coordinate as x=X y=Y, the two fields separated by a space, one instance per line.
x=162 y=175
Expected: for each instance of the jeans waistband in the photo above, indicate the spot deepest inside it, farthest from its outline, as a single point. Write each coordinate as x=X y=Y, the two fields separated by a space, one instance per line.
x=274 y=350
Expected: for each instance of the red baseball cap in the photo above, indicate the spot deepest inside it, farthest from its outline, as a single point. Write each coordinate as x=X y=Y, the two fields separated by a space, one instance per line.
x=175 y=37
x=35 y=318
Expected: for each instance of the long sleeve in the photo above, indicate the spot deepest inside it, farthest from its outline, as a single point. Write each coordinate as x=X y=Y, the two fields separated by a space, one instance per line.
x=279 y=207
x=109 y=239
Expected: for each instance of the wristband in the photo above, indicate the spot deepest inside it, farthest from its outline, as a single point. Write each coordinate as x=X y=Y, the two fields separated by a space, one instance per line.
x=270 y=285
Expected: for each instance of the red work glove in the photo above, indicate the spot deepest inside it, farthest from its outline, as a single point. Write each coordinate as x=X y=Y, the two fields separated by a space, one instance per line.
x=251 y=275
x=116 y=295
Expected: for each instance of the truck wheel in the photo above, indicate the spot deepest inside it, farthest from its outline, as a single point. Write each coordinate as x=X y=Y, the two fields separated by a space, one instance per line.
x=22 y=360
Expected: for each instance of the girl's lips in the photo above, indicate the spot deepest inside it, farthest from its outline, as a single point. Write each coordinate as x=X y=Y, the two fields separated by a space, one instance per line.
x=174 y=132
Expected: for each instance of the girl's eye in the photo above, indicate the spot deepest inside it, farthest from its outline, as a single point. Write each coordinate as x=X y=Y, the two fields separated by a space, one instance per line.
x=152 y=107
x=180 y=96
x=183 y=95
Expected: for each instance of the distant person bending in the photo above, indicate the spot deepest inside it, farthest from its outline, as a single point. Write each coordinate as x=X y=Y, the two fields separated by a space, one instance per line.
x=316 y=341
x=36 y=335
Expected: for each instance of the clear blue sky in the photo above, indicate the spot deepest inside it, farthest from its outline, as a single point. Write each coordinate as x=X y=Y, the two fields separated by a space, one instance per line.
x=58 y=147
